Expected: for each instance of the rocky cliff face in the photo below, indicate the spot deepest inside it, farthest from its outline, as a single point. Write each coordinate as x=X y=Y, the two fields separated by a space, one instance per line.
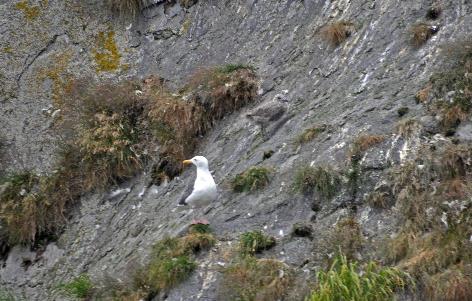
x=354 y=89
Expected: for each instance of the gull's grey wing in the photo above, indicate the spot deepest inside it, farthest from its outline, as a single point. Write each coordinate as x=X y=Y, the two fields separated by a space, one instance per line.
x=187 y=192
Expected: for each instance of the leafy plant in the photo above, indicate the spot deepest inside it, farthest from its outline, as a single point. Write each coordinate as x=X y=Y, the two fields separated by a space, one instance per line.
x=252 y=179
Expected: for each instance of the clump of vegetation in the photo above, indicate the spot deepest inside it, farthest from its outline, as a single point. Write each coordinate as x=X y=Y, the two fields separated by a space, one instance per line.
x=127 y=7
x=111 y=131
x=407 y=127
x=26 y=209
x=222 y=90
x=435 y=234
x=365 y=142
x=378 y=199
x=254 y=279
x=172 y=260
x=346 y=237
x=452 y=285
x=252 y=179
x=80 y=287
x=187 y=3
x=254 y=242
x=346 y=281
x=421 y=33
x=337 y=32
x=170 y=264
x=422 y=95
x=309 y=179
x=104 y=125
x=310 y=134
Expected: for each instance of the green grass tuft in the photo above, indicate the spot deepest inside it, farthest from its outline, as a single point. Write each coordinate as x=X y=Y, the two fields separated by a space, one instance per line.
x=254 y=242
x=252 y=179
x=346 y=281
x=200 y=228
x=80 y=287
x=323 y=180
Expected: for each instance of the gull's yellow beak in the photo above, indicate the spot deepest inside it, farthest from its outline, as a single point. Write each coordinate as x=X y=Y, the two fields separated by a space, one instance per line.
x=187 y=162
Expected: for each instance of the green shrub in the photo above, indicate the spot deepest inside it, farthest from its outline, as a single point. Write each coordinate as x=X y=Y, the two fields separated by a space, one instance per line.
x=80 y=287
x=252 y=179
x=323 y=180
x=252 y=279
x=345 y=281
x=254 y=242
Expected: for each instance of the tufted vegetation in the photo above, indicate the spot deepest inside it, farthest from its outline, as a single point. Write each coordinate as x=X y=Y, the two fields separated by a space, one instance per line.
x=347 y=281
x=324 y=181
x=432 y=194
x=254 y=242
x=365 y=142
x=346 y=237
x=451 y=90
x=172 y=261
x=337 y=32
x=252 y=279
x=127 y=7
x=310 y=134
x=80 y=287
x=421 y=33
x=113 y=130
x=252 y=179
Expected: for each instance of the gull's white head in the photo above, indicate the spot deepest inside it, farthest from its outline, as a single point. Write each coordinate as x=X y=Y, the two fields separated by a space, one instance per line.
x=198 y=161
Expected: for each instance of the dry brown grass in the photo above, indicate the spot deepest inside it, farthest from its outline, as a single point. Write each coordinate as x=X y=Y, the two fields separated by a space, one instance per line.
x=337 y=32
x=451 y=285
x=110 y=131
x=420 y=34
x=346 y=238
x=365 y=142
x=254 y=279
x=434 y=235
x=407 y=127
x=127 y=7
x=422 y=96
x=453 y=116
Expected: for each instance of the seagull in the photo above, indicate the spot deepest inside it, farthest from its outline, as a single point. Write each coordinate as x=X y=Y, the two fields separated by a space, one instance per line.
x=268 y=114
x=204 y=189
